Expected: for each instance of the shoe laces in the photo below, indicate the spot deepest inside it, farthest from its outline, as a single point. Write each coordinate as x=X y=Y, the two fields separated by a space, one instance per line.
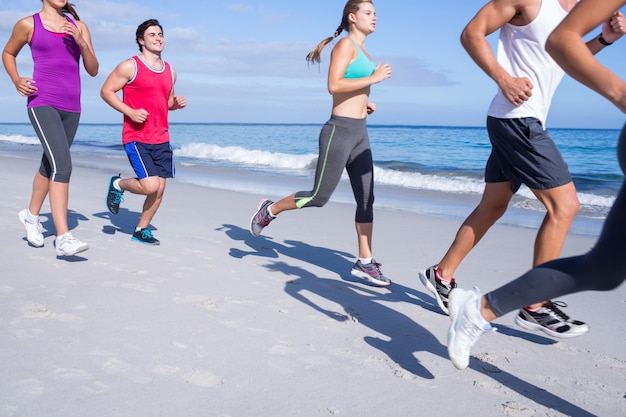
x=119 y=196
x=265 y=218
x=35 y=223
x=146 y=233
x=472 y=330
x=38 y=226
x=68 y=239
x=440 y=281
x=553 y=309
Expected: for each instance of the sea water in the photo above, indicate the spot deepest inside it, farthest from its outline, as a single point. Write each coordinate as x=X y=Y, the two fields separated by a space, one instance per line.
x=444 y=161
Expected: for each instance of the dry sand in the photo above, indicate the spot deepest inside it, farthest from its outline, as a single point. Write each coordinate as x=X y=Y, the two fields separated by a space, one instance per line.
x=215 y=322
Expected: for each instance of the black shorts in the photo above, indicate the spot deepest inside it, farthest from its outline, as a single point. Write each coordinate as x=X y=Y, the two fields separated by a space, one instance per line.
x=524 y=153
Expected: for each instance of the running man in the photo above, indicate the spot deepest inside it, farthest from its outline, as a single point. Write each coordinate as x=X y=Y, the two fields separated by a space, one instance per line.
x=604 y=267
x=147 y=84
x=522 y=150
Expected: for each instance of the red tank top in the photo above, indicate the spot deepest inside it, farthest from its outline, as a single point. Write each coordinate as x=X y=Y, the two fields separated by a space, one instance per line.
x=150 y=90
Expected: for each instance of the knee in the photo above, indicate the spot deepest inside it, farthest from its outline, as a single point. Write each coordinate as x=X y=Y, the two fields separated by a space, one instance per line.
x=566 y=208
x=492 y=211
x=317 y=201
x=62 y=175
x=151 y=186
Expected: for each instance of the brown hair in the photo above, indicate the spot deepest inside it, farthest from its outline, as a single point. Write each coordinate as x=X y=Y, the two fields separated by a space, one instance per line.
x=69 y=8
x=352 y=6
x=141 y=29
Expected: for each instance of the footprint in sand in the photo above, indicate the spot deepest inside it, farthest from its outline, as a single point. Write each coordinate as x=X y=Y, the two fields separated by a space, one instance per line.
x=203 y=379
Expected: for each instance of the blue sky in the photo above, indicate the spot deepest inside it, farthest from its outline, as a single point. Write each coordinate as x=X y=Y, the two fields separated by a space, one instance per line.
x=245 y=62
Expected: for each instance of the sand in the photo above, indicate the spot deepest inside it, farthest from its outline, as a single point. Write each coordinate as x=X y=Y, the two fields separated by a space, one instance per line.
x=215 y=322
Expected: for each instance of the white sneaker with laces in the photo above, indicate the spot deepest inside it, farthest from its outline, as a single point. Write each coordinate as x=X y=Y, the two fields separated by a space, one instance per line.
x=68 y=245
x=465 y=326
x=34 y=229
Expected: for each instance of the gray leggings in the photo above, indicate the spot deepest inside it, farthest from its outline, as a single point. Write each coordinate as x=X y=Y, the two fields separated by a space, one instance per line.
x=56 y=130
x=602 y=269
x=343 y=142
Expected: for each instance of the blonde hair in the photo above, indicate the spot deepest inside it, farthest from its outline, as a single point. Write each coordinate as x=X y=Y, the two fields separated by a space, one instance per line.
x=352 y=6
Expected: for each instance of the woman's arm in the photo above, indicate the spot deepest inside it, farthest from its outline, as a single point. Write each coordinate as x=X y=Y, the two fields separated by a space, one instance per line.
x=22 y=31
x=81 y=35
x=340 y=58
x=569 y=50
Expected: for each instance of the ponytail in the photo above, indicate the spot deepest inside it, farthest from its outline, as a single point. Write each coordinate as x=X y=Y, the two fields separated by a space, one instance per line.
x=315 y=55
x=69 y=8
x=352 y=6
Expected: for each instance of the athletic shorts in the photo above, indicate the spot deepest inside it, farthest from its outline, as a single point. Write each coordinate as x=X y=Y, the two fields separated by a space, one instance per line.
x=524 y=153
x=151 y=160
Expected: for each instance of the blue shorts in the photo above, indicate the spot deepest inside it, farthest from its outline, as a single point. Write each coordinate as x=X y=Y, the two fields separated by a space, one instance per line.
x=151 y=160
x=524 y=153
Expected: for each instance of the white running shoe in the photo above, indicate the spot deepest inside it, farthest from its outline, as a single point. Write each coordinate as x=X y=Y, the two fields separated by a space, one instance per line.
x=68 y=245
x=465 y=329
x=34 y=229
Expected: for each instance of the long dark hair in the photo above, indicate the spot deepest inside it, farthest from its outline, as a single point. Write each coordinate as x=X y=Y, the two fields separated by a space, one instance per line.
x=352 y=6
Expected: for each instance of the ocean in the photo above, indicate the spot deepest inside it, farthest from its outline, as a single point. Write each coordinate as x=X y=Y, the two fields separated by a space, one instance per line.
x=410 y=160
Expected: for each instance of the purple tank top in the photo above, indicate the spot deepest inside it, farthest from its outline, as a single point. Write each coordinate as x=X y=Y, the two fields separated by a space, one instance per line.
x=56 y=71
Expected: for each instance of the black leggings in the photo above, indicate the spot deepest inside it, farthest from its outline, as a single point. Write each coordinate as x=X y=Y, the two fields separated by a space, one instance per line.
x=343 y=142
x=56 y=130
x=602 y=269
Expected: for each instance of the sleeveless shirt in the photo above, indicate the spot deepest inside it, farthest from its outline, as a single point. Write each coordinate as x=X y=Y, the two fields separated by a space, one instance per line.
x=56 y=69
x=522 y=53
x=149 y=89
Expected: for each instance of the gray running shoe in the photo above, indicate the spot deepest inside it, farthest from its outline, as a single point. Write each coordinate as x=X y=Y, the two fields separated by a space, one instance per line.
x=439 y=289
x=34 y=229
x=371 y=273
x=464 y=330
x=261 y=218
x=551 y=320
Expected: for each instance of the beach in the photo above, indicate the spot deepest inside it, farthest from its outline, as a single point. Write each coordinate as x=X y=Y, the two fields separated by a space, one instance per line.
x=215 y=322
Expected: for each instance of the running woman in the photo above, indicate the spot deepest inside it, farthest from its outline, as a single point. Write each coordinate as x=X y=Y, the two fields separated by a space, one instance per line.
x=57 y=42
x=344 y=141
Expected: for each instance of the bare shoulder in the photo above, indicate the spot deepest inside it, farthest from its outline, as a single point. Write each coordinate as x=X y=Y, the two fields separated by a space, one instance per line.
x=525 y=11
x=25 y=24
x=126 y=68
x=344 y=46
x=568 y=5
x=81 y=25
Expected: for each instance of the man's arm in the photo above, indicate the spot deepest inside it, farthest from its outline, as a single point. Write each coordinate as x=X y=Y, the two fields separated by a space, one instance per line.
x=490 y=18
x=175 y=102
x=120 y=76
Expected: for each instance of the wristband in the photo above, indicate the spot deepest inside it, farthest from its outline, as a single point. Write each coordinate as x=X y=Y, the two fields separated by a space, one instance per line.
x=603 y=41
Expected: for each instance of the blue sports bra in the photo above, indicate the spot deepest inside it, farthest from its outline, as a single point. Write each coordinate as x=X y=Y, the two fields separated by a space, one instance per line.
x=361 y=67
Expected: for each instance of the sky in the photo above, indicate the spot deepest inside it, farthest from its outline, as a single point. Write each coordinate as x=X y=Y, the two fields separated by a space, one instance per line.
x=244 y=62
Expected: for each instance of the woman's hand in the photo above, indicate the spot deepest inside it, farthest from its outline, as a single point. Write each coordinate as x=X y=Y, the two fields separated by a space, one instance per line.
x=382 y=72
x=25 y=86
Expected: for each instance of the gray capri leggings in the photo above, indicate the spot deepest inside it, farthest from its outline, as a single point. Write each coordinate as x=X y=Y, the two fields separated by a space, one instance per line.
x=56 y=130
x=343 y=143
x=602 y=269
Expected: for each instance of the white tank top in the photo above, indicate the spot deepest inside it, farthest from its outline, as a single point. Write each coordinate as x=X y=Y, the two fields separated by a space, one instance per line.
x=522 y=53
